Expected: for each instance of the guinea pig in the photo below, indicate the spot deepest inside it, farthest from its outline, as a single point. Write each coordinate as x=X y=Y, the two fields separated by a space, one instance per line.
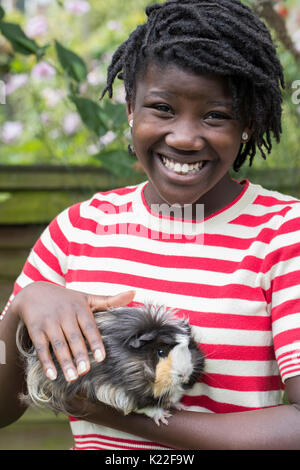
x=151 y=360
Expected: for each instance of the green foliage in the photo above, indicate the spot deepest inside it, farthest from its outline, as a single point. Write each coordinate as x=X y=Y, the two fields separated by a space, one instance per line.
x=120 y=163
x=58 y=105
x=60 y=117
x=20 y=42
x=73 y=65
x=90 y=113
x=2 y=13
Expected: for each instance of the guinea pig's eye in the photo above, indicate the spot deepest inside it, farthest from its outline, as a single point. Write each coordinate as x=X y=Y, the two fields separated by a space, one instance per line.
x=162 y=352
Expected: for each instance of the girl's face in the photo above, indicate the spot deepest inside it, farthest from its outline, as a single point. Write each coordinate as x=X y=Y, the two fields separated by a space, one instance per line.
x=185 y=137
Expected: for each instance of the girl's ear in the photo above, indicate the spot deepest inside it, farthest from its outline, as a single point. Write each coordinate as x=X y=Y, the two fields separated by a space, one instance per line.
x=129 y=111
x=247 y=133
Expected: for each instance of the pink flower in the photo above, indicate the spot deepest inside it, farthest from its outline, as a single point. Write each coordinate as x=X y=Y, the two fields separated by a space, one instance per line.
x=16 y=81
x=36 y=26
x=296 y=39
x=120 y=95
x=77 y=7
x=45 y=118
x=114 y=25
x=71 y=123
x=42 y=71
x=44 y=3
x=106 y=139
x=93 y=149
x=96 y=77
x=11 y=131
x=52 y=97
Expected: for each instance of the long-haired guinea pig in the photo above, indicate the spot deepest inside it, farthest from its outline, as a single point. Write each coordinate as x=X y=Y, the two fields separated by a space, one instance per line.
x=151 y=359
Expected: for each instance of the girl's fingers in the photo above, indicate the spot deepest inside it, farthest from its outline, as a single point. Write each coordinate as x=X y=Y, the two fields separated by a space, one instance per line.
x=41 y=344
x=90 y=331
x=62 y=352
x=98 y=303
x=78 y=347
x=88 y=324
x=68 y=337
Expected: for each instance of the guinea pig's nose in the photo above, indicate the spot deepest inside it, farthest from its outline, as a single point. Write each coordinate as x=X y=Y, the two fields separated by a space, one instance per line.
x=181 y=376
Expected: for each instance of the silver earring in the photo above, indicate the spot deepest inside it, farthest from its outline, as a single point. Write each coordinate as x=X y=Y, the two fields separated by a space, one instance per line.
x=245 y=136
x=131 y=123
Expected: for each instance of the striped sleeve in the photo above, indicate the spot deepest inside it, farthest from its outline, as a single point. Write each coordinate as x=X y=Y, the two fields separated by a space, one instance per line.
x=47 y=260
x=282 y=267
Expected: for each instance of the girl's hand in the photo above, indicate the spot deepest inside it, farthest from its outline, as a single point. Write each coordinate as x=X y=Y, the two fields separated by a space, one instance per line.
x=63 y=318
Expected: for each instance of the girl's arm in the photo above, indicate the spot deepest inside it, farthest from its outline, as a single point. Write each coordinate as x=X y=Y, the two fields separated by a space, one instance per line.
x=12 y=381
x=57 y=316
x=269 y=428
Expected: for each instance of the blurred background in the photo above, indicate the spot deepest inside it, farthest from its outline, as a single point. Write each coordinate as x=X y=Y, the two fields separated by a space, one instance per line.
x=60 y=144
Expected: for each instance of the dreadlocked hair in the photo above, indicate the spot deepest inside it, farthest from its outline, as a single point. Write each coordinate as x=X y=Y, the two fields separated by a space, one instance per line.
x=222 y=37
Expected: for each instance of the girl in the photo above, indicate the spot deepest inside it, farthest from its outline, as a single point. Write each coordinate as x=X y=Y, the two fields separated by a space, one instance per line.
x=202 y=83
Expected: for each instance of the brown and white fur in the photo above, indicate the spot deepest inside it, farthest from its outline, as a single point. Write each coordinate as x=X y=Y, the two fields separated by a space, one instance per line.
x=151 y=360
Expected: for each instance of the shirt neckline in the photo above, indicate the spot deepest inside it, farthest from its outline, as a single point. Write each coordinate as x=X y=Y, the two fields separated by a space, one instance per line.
x=246 y=188
x=166 y=224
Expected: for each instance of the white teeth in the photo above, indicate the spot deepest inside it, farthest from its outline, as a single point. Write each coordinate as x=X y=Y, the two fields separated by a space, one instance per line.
x=182 y=168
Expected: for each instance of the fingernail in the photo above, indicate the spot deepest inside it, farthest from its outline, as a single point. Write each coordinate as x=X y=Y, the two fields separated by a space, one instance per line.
x=51 y=374
x=99 y=356
x=82 y=367
x=71 y=374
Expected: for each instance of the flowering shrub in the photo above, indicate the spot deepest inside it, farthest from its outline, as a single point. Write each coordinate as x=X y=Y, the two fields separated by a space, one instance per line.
x=53 y=61
x=54 y=76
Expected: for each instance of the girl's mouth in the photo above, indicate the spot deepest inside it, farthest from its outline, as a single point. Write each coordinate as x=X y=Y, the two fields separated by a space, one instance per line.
x=182 y=168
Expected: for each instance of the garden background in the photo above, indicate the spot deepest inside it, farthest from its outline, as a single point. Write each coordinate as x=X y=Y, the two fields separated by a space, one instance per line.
x=59 y=143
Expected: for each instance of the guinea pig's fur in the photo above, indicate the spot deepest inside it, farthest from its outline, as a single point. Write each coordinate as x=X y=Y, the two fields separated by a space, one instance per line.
x=151 y=359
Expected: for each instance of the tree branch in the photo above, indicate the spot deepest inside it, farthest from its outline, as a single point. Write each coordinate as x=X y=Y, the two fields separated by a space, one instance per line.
x=265 y=9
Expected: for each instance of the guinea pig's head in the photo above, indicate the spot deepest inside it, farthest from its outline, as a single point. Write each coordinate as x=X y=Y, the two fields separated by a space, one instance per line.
x=167 y=351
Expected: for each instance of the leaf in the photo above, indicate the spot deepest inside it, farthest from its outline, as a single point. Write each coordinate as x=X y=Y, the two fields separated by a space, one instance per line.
x=117 y=162
x=18 y=39
x=71 y=63
x=115 y=112
x=2 y=12
x=90 y=113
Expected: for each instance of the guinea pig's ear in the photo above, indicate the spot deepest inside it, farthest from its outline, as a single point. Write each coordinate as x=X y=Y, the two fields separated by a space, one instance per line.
x=138 y=341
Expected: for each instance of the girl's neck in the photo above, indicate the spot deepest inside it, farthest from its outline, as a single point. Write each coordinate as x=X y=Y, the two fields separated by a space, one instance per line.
x=220 y=196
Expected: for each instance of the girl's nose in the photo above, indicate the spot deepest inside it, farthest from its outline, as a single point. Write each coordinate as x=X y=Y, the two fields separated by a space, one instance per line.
x=186 y=137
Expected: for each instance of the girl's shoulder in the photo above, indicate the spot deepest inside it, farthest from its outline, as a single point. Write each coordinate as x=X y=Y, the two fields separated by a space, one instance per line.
x=273 y=198
x=100 y=204
x=281 y=206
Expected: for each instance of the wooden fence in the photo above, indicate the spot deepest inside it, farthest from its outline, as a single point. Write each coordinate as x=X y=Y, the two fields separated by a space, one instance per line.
x=32 y=196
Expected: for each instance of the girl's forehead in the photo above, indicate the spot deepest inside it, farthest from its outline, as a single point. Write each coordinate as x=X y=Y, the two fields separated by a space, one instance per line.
x=173 y=80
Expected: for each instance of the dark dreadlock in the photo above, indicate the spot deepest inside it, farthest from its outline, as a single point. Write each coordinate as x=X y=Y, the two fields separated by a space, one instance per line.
x=222 y=37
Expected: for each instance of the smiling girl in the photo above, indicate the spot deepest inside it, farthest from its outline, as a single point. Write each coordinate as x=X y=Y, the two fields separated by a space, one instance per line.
x=203 y=90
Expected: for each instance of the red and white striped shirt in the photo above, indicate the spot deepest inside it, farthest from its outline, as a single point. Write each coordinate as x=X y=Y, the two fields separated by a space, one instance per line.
x=235 y=274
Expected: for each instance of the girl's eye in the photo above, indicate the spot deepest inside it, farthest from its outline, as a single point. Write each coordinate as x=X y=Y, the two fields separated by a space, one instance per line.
x=216 y=115
x=163 y=108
